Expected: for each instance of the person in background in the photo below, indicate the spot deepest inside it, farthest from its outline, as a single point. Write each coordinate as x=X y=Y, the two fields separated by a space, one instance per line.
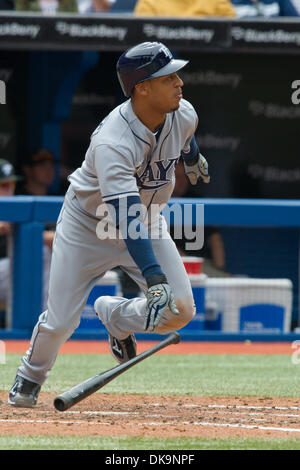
x=39 y=173
x=7 y=188
x=8 y=180
x=264 y=8
x=184 y=8
x=94 y=6
x=213 y=251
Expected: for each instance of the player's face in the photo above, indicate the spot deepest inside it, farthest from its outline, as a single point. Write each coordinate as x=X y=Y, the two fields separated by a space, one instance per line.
x=166 y=92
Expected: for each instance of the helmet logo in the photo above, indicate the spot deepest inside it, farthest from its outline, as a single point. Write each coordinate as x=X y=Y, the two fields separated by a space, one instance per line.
x=166 y=51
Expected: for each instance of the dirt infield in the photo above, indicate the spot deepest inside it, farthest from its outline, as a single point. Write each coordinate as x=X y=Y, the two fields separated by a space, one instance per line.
x=185 y=347
x=159 y=416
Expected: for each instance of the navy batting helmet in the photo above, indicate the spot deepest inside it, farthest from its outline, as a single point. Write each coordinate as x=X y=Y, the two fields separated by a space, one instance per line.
x=144 y=61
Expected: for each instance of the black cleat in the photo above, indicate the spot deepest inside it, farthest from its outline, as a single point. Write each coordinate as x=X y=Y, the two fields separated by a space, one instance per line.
x=122 y=349
x=24 y=393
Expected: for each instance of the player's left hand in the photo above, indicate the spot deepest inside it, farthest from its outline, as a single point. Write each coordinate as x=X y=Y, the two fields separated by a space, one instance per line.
x=159 y=297
x=198 y=170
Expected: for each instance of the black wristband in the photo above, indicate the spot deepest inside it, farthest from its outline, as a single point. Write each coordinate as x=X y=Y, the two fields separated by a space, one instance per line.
x=191 y=161
x=156 y=279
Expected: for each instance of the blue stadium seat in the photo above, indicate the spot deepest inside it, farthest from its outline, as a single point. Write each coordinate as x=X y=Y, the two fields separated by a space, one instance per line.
x=123 y=6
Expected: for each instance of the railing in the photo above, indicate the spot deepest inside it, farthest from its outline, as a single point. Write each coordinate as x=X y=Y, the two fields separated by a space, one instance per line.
x=29 y=215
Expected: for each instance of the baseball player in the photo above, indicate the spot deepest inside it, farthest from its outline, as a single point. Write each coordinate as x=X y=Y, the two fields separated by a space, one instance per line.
x=128 y=170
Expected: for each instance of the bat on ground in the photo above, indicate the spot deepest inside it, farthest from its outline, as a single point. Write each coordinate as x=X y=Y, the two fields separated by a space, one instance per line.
x=77 y=393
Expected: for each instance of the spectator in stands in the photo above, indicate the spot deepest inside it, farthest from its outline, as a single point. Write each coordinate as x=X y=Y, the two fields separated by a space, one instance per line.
x=264 y=8
x=48 y=7
x=94 y=6
x=39 y=174
x=7 y=188
x=213 y=252
x=184 y=8
x=8 y=180
x=38 y=171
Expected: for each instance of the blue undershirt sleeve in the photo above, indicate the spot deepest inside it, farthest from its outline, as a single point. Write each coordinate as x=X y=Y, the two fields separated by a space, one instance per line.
x=193 y=153
x=128 y=219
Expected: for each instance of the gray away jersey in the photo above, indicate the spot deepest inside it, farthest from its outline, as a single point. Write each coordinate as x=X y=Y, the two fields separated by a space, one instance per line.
x=124 y=158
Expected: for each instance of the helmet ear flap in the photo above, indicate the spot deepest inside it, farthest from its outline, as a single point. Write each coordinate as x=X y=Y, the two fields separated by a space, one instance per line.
x=122 y=84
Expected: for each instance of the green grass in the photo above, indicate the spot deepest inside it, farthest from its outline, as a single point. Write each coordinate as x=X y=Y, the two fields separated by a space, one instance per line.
x=224 y=375
x=210 y=375
x=142 y=443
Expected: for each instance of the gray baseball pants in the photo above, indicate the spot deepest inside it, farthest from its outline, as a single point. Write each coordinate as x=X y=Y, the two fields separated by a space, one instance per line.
x=79 y=259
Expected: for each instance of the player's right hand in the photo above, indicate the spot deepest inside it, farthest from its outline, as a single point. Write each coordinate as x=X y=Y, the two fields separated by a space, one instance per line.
x=159 y=298
x=198 y=170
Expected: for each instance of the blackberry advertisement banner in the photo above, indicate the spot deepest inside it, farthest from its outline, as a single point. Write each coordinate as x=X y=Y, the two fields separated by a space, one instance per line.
x=111 y=31
x=249 y=123
x=243 y=79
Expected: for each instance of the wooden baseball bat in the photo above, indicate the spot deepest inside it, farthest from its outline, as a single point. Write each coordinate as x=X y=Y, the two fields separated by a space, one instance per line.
x=77 y=393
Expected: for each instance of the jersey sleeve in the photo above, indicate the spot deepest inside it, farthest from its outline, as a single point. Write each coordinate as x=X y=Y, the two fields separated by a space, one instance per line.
x=115 y=170
x=190 y=122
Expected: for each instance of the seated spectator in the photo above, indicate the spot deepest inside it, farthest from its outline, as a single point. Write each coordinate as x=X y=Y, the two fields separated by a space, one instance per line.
x=184 y=8
x=94 y=6
x=49 y=7
x=8 y=181
x=264 y=8
x=39 y=174
x=7 y=187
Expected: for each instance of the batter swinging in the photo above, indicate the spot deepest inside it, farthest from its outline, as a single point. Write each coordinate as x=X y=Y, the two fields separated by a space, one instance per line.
x=129 y=164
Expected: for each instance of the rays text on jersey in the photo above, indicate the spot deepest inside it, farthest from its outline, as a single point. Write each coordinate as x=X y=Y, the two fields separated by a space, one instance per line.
x=156 y=174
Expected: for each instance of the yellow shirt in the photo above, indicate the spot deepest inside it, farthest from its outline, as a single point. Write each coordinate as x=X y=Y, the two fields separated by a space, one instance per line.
x=184 y=8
